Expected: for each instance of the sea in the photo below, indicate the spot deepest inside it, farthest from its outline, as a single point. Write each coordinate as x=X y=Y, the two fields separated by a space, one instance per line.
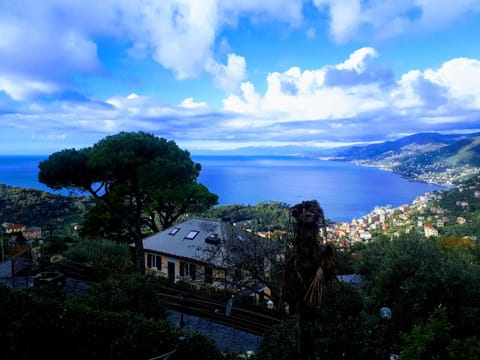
x=345 y=191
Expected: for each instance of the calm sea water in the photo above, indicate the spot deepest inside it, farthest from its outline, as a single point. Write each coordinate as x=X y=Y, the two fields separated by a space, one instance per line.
x=345 y=191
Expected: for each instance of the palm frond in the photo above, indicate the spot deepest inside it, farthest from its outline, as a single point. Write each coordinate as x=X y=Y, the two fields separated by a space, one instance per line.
x=313 y=291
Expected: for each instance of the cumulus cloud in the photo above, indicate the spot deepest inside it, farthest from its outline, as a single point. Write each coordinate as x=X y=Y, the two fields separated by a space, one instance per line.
x=357 y=69
x=228 y=77
x=333 y=91
x=298 y=106
x=46 y=42
x=384 y=19
x=20 y=89
x=353 y=99
x=36 y=55
x=345 y=17
x=189 y=103
x=452 y=87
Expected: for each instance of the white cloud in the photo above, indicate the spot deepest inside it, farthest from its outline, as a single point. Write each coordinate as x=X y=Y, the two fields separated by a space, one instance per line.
x=189 y=103
x=247 y=102
x=354 y=98
x=228 y=77
x=437 y=13
x=451 y=87
x=36 y=54
x=460 y=77
x=305 y=95
x=173 y=29
x=345 y=17
x=358 y=60
x=405 y=95
x=49 y=40
x=23 y=89
x=382 y=19
x=44 y=44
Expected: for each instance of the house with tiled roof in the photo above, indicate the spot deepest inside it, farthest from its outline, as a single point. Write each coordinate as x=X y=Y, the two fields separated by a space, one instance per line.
x=202 y=252
x=13 y=228
x=430 y=230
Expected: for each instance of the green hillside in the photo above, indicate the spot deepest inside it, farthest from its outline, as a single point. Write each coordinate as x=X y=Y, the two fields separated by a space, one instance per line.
x=429 y=157
x=460 y=156
x=32 y=207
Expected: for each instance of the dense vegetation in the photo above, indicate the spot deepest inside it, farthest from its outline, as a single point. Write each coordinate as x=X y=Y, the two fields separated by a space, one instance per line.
x=262 y=217
x=431 y=285
x=39 y=208
x=120 y=321
x=137 y=179
x=422 y=283
x=432 y=290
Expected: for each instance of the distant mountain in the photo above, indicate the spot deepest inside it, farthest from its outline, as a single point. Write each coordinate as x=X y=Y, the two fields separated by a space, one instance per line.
x=430 y=157
x=407 y=146
x=464 y=153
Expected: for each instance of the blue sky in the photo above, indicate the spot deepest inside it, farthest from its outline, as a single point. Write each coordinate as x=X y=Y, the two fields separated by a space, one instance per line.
x=219 y=75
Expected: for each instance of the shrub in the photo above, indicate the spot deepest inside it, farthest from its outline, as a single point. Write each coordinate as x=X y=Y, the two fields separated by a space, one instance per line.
x=107 y=257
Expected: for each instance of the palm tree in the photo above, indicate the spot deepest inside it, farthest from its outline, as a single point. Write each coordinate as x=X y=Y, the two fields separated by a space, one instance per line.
x=310 y=266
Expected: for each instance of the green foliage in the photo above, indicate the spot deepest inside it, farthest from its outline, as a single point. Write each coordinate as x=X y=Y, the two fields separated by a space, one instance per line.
x=429 y=341
x=100 y=223
x=108 y=258
x=134 y=293
x=126 y=326
x=434 y=340
x=114 y=335
x=402 y=272
x=199 y=347
x=38 y=208
x=340 y=315
x=142 y=181
x=280 y=343
x=339 y=320
x=19 y=308
x=264 y=216
x=464 y=349
x=413 y=276
x=347 y=258
x=54 y=245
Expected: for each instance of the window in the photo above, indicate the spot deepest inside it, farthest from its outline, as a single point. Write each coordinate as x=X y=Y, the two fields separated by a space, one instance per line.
x=173 y=231
x=187 y=269
x=154 y=261
x=213 y=239
x=208 y=274
x=191 y=235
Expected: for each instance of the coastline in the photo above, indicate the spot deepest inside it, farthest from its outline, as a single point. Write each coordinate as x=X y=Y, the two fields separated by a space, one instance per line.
x=445 y=184
x=344 y=190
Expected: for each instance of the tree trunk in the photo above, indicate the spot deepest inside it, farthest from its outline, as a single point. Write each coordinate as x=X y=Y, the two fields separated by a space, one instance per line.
x=140 y=256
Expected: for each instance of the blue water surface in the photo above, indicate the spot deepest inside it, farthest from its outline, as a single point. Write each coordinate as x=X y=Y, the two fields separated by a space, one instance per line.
x=344 y=190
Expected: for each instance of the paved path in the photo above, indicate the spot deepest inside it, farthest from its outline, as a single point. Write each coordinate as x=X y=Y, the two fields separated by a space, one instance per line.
x=226 y=338
x=5 y=269
x=14 y=282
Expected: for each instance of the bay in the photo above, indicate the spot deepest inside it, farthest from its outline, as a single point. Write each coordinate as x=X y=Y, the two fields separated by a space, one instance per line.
x=344 y=190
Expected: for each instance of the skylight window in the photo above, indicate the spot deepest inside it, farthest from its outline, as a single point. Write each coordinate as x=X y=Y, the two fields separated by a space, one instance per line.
x=191 y=235
x=173 y=231
x=213 y=239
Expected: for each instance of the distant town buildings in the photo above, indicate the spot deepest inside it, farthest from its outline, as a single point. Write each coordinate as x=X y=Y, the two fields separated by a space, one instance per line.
x=394 y=221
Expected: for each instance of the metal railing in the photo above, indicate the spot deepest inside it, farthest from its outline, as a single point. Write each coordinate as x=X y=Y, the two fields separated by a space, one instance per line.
x=21 y=261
